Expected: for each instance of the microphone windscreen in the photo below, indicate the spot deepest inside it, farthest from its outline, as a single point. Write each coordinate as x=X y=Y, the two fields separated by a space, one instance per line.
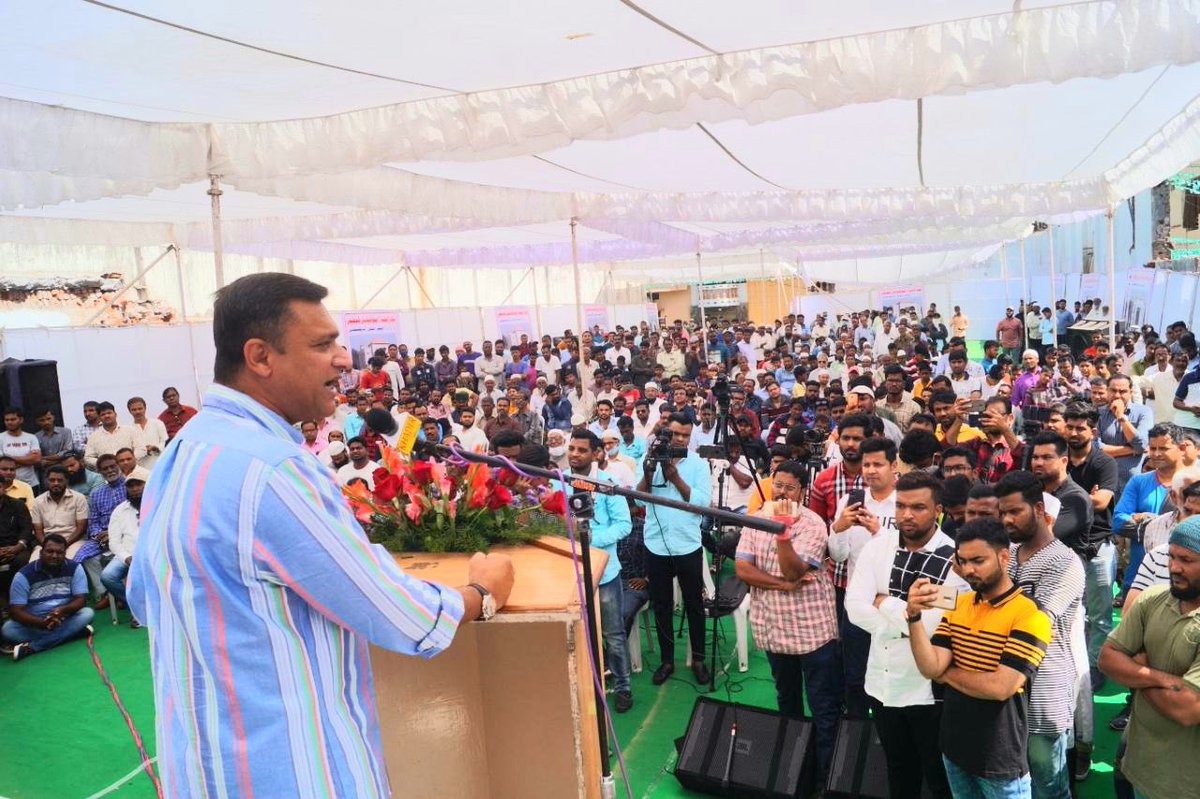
x=381 y=421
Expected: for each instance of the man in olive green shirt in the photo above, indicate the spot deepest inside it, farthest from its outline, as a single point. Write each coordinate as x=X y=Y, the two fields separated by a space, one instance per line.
x=1156 y=652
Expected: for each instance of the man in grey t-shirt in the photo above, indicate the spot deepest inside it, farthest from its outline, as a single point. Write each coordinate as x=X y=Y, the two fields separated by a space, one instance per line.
x=1051 y=574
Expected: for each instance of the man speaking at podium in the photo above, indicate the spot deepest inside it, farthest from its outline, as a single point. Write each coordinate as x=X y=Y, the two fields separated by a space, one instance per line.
x=259 y=588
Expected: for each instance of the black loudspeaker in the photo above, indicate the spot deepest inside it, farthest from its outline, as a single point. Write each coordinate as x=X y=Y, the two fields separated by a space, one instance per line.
x=31 y=386
x=740 y=751
x=858 y=767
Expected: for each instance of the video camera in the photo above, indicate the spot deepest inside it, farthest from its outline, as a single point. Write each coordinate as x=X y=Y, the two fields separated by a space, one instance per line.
x=661 y=450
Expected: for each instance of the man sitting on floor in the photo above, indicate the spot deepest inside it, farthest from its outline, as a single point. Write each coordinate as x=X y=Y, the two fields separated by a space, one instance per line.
x=122 y=535
x=48 y=601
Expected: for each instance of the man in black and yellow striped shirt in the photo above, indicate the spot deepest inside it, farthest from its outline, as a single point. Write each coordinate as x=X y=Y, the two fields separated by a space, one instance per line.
x=985 y=652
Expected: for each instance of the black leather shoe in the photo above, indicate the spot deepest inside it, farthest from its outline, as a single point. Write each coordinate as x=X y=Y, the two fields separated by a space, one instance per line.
x=1120 y=721
x=700 y=672
x=663 y=673
x=622 y=701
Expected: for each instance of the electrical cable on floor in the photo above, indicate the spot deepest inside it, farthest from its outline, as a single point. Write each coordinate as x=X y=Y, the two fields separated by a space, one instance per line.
x=147 y=762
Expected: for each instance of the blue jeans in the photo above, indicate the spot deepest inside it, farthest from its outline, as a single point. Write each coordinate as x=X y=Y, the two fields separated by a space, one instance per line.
x=968 y=786
x=632 y=601
x=1049 y=774
x=113 y=578
x=40 y=640
x=856 y=646
x=612 y=623
x=1136 y=553
x=819 y=675
x=1098 y=597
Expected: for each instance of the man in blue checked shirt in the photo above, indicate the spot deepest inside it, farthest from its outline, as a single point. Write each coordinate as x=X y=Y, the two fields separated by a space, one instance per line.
x=610 y=523
x=259 y=588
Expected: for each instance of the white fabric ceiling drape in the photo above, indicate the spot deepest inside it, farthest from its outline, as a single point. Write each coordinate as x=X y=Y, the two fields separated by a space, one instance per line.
x=470 y=135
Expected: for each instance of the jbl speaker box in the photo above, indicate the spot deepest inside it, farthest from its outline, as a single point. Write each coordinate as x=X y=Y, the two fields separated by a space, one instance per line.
x=740 y=751
x=858 y=767
x=31 y=386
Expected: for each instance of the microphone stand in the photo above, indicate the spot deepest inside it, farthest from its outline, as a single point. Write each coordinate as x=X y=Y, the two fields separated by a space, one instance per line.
x=582 y=517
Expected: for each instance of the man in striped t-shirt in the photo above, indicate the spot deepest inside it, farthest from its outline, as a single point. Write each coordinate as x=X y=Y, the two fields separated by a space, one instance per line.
x=259 y=588
x=1050 y=573
x=985 y=652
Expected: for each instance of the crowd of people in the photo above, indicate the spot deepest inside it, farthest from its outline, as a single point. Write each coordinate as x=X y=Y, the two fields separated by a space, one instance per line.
x=959 y=528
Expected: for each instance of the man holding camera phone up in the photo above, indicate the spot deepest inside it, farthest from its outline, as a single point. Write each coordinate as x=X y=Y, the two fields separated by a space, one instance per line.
x=672 y=540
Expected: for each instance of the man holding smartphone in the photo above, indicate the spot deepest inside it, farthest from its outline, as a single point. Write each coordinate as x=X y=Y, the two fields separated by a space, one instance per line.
x=985 y=652
x=862 y=514
x=907 y=709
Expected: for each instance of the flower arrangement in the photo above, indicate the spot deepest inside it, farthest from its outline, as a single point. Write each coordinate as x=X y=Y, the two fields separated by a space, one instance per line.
x=429 y=506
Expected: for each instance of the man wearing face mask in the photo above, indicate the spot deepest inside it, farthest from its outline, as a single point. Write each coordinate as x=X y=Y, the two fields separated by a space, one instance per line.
x=1050 y=573
x=556 y=443
x=122 y=535
x=622 y=468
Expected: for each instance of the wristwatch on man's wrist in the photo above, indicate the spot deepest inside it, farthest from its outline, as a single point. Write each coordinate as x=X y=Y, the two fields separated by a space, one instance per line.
x=488 y=607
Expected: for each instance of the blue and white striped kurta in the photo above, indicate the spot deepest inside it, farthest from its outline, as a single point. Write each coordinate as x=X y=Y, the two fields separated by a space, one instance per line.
x=261 y=593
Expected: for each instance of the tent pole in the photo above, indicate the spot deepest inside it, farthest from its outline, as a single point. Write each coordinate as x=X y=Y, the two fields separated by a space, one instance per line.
x=762 y=268
x=513 y=290
x=578 y=286
x=1024 y=289
x=537 y=306
x=214 y=191
x=128 y=285
x=1053 y=293
x=1112 y=282
x=779 y=286
x=385 y=284
x=421 y=286
x=700 y=294
x=183 y=315
x=1004 y=272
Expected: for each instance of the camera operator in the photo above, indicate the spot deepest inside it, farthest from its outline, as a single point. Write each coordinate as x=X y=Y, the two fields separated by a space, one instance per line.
x=739 y=477
x=672 y=540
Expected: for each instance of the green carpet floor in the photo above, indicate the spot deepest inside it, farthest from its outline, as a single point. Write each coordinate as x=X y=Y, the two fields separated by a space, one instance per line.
x=73 y=744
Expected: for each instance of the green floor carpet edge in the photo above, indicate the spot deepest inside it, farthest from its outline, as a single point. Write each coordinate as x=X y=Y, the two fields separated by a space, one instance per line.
x=73 y=743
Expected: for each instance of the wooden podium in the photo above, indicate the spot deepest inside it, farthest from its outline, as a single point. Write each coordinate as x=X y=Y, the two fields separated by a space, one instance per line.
x=509 y=710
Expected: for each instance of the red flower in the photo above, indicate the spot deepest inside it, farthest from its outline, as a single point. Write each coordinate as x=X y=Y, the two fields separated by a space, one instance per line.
x=501 y=498
x=422 y=472
x=555 y=503
x=507 y=477
x=380 y=474
x=386 y=487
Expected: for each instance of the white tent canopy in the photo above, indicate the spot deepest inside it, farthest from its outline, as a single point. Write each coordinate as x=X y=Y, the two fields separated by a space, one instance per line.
x=860 y=141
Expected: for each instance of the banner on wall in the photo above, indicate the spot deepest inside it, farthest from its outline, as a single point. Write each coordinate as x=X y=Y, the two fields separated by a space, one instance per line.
x=721 y=295
x=1089 y=287
x=652 y=315
x=1135 y=309
x=512 y=321
x=902 y=298
x=366 y=331
x=596 y=316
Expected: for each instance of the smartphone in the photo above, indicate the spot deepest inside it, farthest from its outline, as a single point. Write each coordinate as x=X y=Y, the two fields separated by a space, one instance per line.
x=947 y=597
x=855 y=496
x=977 y=406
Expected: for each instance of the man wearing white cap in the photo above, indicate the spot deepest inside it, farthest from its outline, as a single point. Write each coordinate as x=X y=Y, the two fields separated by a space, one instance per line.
x=619 y=466
x=123 y=528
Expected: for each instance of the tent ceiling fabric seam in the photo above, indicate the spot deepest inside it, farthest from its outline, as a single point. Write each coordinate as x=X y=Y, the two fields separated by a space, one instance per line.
x=1056 y=44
